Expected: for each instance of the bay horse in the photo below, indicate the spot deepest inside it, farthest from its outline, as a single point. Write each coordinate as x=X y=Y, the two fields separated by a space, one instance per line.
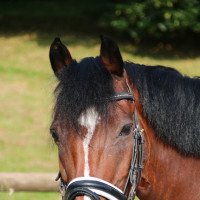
x=122 y=128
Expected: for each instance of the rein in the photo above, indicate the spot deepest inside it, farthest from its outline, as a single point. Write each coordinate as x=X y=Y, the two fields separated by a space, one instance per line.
x=93 y=187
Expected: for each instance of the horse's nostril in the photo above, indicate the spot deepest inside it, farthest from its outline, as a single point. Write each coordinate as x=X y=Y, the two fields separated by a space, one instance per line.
x=82 y=198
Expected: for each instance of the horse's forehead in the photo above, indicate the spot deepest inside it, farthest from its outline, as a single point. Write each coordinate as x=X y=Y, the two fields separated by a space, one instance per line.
x=89 y=119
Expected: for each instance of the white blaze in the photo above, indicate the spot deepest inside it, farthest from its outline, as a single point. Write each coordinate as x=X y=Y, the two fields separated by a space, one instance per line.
x=89 y=120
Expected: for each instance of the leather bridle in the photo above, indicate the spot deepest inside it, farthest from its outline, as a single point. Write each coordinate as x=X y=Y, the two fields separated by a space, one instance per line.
x=94 y=187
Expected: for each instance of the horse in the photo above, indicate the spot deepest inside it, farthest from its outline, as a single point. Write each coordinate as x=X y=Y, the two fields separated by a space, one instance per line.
x=123 y=128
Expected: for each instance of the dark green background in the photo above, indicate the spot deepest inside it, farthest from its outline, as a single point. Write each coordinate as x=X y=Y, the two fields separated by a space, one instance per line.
x=160 y=20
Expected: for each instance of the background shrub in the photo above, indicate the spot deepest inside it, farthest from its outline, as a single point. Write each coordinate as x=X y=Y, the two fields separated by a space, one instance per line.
x=159 y=19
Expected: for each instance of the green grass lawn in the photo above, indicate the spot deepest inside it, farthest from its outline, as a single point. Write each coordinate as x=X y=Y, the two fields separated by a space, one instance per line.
x=27 y=84
x=30 y=196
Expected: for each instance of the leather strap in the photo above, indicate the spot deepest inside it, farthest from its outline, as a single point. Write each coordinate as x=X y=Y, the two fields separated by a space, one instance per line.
x=94 y=185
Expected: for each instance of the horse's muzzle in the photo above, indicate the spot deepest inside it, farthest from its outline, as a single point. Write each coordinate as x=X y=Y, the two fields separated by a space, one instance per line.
x=93 y=188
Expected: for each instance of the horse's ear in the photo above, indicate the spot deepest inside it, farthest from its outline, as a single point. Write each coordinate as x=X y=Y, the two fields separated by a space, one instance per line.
x=110 y=56
x=59 y=55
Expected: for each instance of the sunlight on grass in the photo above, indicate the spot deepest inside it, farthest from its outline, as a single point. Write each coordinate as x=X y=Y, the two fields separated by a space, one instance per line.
x=30 y=196
x=26 y=103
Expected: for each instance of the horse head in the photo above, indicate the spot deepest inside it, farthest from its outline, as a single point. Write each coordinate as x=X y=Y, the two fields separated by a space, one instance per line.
x=99 y=142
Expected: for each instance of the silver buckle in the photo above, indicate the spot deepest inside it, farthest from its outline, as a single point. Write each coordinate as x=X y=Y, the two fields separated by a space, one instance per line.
x=62 y=188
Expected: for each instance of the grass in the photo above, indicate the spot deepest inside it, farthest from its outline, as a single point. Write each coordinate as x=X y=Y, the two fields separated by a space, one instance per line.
x=30 y=196
x=25 y=109
x=27 y=84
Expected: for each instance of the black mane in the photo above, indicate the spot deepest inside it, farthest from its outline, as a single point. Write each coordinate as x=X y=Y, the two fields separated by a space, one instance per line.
x=82 y=85
x=171 y=103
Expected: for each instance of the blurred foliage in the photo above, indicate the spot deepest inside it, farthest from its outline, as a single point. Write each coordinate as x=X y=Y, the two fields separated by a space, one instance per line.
x=159 y=19
x=139 y=20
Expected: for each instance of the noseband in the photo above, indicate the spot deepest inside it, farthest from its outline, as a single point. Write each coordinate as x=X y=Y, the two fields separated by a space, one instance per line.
x=93 y=187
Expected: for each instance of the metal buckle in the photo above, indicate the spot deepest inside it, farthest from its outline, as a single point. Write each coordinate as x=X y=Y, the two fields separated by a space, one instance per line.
x=62 y=188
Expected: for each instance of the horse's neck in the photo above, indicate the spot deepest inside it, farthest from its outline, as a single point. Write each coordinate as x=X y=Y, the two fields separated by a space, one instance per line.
x=167 y=174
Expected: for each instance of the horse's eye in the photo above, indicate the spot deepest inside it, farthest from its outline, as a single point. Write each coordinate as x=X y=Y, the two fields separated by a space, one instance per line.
x=126 y=130
x=54 y=134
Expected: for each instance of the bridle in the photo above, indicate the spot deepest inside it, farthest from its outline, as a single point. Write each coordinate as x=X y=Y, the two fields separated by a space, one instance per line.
x=93 y=187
